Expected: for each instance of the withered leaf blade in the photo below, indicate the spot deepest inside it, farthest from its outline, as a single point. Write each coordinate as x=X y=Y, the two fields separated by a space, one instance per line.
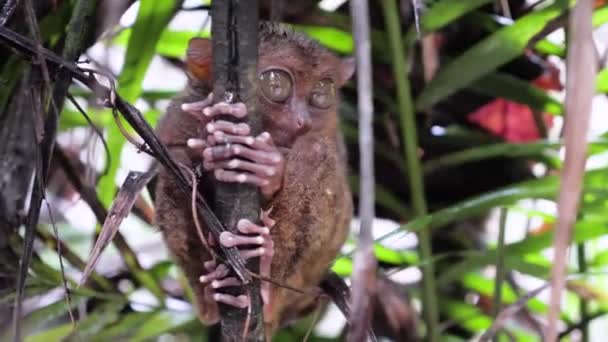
x=125 y=199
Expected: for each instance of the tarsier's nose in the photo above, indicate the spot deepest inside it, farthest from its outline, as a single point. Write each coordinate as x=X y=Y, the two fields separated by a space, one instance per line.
x=303 y=122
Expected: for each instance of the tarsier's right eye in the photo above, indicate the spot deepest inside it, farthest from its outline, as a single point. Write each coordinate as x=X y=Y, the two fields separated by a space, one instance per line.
x=276 y=85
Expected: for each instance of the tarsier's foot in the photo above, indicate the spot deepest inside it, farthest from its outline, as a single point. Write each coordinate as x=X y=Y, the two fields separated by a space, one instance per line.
x=232 y=153
x=217 y=276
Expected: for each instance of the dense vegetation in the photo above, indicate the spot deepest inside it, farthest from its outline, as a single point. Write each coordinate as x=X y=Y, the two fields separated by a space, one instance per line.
x=483 y=80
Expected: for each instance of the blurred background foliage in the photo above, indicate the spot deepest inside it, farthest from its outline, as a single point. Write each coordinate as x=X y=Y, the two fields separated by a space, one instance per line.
x=486 y=81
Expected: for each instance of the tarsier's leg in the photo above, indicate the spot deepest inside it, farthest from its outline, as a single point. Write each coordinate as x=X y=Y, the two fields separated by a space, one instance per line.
x=217 y=276
x=234 y=156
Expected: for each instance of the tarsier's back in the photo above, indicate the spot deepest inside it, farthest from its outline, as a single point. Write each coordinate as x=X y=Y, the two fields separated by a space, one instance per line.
x=298 y=99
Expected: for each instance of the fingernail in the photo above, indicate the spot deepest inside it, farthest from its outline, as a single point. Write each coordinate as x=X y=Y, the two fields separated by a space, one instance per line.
x=186 y=106
x=215 y=284
x=249 y=141
x=207 y=111
x=259 y=240
x=210 y=128
x=241 y=178
x=202 y=279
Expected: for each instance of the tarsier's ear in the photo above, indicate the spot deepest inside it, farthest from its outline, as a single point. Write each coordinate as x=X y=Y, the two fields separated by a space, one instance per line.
x=199 y=59
x=347 y=68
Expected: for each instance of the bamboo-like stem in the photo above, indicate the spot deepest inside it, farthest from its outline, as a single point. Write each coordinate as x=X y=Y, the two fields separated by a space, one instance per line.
x=364 y=272
x=410 y=140
x=500 y=264
x=580 y=88
x=583 y=307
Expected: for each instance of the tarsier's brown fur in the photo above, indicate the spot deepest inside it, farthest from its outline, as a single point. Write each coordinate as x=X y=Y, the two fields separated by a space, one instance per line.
x=313 y=208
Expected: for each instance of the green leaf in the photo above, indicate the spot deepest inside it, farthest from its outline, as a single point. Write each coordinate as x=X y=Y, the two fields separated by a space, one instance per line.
x=546 y=149
x=583 y=231
x=487 y=55
x=58 y=333
x=39 y=317
x=600 y=16
x=125 y=327
x=170 y=44
x=444 y=12
x=162 y=322
x=516 y=89
x=602 y=81
x=343 y=266
x=335 y=39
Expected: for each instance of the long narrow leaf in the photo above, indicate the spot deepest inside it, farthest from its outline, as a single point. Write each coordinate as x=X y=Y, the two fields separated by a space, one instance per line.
x=487 y=55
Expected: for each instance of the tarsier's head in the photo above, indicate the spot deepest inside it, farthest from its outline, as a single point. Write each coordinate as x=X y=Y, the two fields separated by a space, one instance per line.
x=298 y=81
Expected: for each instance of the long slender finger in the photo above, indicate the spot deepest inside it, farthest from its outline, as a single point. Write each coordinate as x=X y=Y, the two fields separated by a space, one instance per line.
x=197 y=145
x=223 y=152
x=247 y=227
x=243 y=165
x=241 y=301
x=236 y=177
x=240 y=128
x=253 y=253
x=196 y=108
x=265 y=217
x=228 y=239
x=264 y=142
x=226 y=282
x=220 y=272
x=238 y=110
x=220 y=137
x=210 y=265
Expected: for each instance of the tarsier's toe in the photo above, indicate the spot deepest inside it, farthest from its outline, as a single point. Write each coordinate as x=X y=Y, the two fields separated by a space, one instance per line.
x=215 y=273
x=241 y=301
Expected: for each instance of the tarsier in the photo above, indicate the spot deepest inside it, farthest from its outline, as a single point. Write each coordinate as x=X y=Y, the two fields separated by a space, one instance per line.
x=298 y=163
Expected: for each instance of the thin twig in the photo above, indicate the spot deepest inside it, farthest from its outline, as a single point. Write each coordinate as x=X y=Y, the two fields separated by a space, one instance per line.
x=580 y=88
x=364 y=269
x=95 y=129
x=197 y=224
x=68 y=296
x=508 y=312
x=7 y=10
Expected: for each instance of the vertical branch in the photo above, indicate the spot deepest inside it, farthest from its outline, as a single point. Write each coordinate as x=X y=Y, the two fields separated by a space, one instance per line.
x=364 y=277
x=580 y=88
x=410 y=140
x=235 y=50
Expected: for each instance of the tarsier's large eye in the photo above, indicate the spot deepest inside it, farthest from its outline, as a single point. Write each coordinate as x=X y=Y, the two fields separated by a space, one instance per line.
x=323 y=94
x=276 y=85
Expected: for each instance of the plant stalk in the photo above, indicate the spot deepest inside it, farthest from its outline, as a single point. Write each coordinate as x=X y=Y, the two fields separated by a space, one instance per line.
x=410 y=141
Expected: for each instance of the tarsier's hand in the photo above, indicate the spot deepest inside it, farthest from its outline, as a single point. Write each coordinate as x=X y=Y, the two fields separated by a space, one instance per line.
x=217 y=276
x=232 y=153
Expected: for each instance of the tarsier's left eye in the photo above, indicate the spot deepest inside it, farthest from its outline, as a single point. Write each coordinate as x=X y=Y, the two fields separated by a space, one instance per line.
x=323 y=94
x=276 y=85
